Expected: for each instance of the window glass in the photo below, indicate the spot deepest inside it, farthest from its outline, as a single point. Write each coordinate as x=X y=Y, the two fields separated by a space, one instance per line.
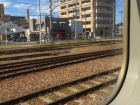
x=81 y=39
x=62 y=25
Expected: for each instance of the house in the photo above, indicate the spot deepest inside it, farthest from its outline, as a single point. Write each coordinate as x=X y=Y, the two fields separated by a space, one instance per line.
x=60 y=29
x=11 y=30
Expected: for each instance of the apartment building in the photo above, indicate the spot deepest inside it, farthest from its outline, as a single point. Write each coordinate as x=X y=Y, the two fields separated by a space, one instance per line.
x=98 y=13
x=60 y=28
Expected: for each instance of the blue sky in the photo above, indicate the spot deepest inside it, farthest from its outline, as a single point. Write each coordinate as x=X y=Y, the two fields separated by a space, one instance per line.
x=18 y=8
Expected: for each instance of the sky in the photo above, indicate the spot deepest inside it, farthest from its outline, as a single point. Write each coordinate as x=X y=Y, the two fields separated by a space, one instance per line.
x=18 y=8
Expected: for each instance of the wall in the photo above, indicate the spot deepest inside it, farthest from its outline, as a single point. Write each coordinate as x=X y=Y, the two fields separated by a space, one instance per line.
x=79 y=26
x=27 y=34
x=32 y=24
x=3 y=37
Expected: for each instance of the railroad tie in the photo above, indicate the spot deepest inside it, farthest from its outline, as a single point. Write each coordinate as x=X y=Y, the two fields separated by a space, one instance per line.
x=110 y=77
x=79 y=101
x=73 y=89
x=84 y=85
x=93 y=95
x=60 y=94
x=104 y=90
x=25 y=103
x=45 y=99
x=102 y=79
x=116 y=73
x=96 y=82
x=112 y=86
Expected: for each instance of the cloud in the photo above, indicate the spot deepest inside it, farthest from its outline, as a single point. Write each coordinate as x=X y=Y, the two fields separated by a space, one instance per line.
x=33 y=17
x=44 y=0
x=45 y=9
x=6 y=3
x=6 y=12
x=32 y=8
x=26 y=6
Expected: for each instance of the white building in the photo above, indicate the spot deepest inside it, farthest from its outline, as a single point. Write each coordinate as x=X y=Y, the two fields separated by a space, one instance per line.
x=79 y=30
x=119 y=29
x=13 y=30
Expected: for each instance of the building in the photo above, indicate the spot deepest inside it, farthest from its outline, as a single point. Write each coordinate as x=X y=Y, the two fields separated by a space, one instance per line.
x=13 y=30
x=60 y=28
x=98 y=13
x=118 y=30
x=80 y=34
x=19 y=20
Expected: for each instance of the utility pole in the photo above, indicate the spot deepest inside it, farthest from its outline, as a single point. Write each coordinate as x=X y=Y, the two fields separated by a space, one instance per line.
x=6 y=35
x=113 y=30
x=121 y=22
x=0 y=38
x=76 y=21
x=96 y=21
x=73 y=23
x=40 y=23
x=50 y=5
x=85 y=23
x=94 y=25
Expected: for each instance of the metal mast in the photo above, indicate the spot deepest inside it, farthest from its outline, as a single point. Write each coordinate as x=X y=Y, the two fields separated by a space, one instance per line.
x=85 y=24
x=40 y=23
x=113 y=30
x=50 y=5
x=121 y=22
x=76 y=21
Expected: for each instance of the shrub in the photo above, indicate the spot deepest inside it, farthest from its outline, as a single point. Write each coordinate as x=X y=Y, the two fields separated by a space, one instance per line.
x=100 y=32
x=37 y=42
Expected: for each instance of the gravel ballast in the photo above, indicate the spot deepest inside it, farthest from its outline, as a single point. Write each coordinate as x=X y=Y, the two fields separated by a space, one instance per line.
x=26 y=84
x=98 y=100
x=71 y=51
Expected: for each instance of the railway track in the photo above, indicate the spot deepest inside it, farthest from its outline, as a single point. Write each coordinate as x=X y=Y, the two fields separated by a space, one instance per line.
x=56 y=47
x=25 y=67
x=63 y=93
x=27 y=56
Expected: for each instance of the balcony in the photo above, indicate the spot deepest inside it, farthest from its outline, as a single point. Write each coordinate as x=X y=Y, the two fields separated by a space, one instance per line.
x=73 y=5
x=104 y=11
x=104 y=25
x=63 y=8
x=104 y=18
x=104 y=4
x=85 y=2
x=70 y=1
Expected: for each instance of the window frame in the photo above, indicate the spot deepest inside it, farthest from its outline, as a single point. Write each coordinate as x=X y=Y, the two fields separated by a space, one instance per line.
x=125 y=63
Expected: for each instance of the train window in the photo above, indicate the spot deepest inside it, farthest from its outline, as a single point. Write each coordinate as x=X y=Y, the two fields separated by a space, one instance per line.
x=72 y=64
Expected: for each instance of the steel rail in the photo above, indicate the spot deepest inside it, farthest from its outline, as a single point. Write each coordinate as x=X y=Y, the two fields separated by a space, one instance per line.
x=53 y=66
x=58 y=60
x=58 y=47
x=80 y=93
x=55 y=59
x=29 y=62
x=32 y=95
x=33 y=55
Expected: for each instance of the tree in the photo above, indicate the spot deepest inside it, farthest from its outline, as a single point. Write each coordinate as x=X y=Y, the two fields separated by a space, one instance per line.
x=100 y=32
x=119 y=24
